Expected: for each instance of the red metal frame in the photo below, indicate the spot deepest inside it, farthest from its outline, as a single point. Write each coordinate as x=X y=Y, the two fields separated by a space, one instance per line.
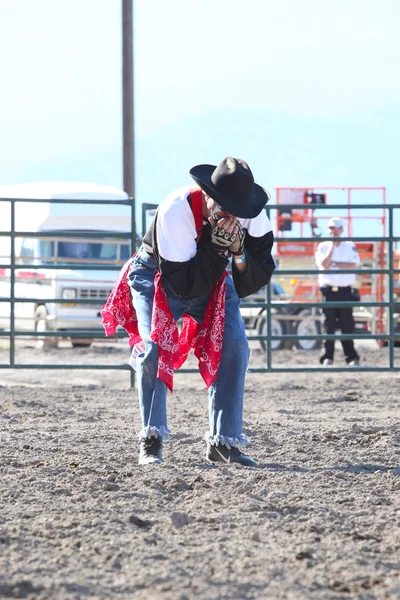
x=308 y=248
x=307 y=217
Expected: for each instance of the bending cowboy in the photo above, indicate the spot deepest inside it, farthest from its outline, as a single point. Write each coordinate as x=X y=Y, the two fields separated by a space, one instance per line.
x=180 y=270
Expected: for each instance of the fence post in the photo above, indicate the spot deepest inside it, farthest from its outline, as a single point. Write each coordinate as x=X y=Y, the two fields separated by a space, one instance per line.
x=12 y=286
x=132 y=378
x=391 y=289
x=269 y=331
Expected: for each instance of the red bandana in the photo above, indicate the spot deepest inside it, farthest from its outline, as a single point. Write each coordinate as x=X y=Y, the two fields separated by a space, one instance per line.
x=173 y=348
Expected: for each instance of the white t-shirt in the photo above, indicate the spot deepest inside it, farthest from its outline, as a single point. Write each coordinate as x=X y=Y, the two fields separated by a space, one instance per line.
x=346 y=252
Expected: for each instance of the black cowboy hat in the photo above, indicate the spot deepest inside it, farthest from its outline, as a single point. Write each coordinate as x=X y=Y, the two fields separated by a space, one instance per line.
x=231 y=185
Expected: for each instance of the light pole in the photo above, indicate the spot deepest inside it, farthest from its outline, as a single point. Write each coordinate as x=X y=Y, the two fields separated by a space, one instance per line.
x=128 y=143
x=128 y=99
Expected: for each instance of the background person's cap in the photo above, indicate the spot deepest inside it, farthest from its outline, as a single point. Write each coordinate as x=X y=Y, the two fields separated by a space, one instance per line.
x=335 y=222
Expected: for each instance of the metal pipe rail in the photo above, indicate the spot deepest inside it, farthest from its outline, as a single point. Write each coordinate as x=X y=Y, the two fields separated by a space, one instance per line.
x=121 y=367
x=68 y=234
x=81 y=267
x=243 y=305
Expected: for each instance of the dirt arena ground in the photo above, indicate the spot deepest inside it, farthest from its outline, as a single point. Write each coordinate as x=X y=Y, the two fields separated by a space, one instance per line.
x=319 y=519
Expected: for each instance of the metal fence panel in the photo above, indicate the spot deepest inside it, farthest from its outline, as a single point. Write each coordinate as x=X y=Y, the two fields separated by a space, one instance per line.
x=268 y=304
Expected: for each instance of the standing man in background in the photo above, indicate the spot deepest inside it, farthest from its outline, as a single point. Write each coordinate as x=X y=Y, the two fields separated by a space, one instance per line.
x=337 y=288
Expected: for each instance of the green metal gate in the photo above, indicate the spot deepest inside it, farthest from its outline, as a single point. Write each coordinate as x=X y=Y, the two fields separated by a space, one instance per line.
x=390 y=336
x=13 y=334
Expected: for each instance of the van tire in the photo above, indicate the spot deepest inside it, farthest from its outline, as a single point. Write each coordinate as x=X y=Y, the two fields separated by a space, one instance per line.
x=41 y=325
x=279 y=327
x=309 y=324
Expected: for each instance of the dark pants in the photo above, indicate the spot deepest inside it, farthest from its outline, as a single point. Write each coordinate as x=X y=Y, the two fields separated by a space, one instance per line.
x=338 y=318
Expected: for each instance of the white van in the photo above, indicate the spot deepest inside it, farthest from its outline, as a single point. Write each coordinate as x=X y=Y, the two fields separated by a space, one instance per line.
x=63 y=282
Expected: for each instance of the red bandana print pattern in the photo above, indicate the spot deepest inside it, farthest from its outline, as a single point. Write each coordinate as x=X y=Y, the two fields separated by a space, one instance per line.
x=173 y=349
x=119 y=310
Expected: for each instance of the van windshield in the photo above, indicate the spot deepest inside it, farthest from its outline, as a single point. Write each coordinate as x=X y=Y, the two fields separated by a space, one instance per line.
x=71 y=251
x=68 y=251
x=87 y=250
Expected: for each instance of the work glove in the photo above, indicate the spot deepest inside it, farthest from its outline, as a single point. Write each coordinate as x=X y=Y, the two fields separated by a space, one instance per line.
x=221 y=239
x=237 y=246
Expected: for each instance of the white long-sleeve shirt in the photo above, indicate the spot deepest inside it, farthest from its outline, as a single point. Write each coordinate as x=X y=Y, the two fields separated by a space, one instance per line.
x=191 y=266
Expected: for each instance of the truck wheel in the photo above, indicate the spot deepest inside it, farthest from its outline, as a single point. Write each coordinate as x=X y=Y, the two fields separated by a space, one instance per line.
x=44 y=343
x=278 y=327
x=307 y=325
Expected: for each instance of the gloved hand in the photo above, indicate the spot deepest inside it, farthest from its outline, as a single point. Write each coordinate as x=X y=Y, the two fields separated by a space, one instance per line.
x=238 y=243
x=221 y=239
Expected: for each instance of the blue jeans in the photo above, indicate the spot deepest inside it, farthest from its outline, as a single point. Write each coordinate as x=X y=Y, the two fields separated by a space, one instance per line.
x=225 y=394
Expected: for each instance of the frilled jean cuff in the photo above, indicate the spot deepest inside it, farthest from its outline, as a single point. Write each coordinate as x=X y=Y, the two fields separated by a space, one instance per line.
x=157 y=432
x=238 y=442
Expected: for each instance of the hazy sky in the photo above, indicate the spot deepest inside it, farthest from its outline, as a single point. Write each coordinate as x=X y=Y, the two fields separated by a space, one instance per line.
x=61 y=65
x=61 y=73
